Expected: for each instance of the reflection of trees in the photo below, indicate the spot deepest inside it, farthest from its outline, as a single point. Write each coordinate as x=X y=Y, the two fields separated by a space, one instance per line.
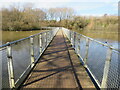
x=22 y=45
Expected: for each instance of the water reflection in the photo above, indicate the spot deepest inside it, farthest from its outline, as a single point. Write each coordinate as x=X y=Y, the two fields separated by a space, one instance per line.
x=8 y=36
x=108 y=38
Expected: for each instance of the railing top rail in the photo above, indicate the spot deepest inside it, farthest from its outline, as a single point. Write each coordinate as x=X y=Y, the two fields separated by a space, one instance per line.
x=101 y=43
x=98 y=42
x=13 y=42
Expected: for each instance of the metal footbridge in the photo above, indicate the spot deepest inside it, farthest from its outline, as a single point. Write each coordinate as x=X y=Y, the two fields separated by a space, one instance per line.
x=57 y=59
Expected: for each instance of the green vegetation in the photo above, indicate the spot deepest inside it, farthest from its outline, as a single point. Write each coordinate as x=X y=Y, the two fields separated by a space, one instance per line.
x=103 y=23
x=29 y=18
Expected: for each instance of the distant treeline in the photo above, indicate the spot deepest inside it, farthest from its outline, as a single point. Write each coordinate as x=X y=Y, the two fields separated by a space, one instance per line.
x=29 y=18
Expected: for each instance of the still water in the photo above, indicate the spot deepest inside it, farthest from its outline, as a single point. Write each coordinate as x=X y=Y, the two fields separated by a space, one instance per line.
x=109 y=38
x=8 y=36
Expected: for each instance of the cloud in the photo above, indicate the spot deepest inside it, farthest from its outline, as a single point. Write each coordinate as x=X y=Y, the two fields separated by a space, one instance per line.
x=83 y=7
x=107 y=1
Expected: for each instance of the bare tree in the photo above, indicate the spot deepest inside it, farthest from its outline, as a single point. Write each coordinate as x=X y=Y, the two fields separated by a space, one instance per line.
x=60 y=13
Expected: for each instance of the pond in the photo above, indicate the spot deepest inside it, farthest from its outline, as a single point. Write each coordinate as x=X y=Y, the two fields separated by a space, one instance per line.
x=8 y=36
x=110 y=38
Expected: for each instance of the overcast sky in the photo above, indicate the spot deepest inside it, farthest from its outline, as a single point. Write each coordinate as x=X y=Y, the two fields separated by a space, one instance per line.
x=81 y=7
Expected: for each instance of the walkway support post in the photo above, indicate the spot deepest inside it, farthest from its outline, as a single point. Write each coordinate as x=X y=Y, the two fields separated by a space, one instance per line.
x=40 y=43
x=78 y=49
x=46 y=39
x=76 y=43
x=32 y=51
x=86 y=53
x=70 y=36
x=10 y=67
x=106 y=68
x=74 y=39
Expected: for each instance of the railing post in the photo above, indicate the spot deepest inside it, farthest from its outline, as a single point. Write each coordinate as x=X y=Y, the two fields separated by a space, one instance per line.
x=74 y=34
x=76 y=42
x=32 y=51
x=46 y=40
x=78 y=51
x=10 y=67
x=48 y=34
x=40 y=43
x=70 y=35
x=106 y=68
x=86 y=53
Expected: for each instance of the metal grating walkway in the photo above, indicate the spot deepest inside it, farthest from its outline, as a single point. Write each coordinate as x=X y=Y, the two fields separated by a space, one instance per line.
x=59 y=67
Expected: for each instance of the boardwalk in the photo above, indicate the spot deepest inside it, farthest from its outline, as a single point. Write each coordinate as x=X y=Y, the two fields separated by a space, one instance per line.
x=59 y=67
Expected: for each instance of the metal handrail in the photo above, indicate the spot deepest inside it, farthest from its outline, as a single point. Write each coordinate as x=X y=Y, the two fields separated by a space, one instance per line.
x=13 y=42
x=101 y=43
x=96 y=41
x=72 y=35
x=9 y=56
x=16 y=41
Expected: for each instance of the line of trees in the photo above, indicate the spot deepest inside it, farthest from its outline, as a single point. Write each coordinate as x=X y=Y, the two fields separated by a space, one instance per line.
x=29 y=18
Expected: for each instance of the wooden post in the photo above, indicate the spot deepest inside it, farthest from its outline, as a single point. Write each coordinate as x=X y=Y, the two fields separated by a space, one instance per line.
x=32 y=51
x=86 y=53
x=106 y=68
x=40 y=43
x=10 y=67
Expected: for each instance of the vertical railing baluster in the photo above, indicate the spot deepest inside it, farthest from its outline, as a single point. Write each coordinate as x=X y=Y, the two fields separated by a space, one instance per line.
x=10 y=67
x=74 y=39
x=70 y=35
x=48 y=37
x=79 y=45
x=32 y=51
x=46 y=40
x=106 y=68
x=86 y=53
x=40 y=43
x=76 y=42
